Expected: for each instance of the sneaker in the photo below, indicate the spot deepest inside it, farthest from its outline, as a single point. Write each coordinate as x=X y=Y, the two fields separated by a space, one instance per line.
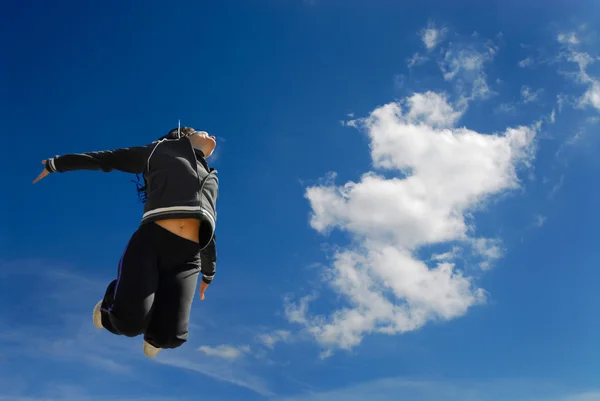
x=150 y=350
x=97 y=316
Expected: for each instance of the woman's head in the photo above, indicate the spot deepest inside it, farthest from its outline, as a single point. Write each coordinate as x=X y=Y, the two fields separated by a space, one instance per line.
x=199 y=139
x=176 y=133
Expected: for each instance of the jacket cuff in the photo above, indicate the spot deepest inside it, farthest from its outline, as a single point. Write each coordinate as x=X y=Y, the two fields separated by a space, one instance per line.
x=50 y=166
x=207 y=280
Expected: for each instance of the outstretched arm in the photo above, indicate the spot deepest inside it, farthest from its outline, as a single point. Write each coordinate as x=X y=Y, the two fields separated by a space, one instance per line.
x=208 y=260
x=129 y=160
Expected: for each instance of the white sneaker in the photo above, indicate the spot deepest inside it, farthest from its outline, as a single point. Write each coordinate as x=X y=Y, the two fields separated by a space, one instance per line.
x=150 y=350
x=97 y=316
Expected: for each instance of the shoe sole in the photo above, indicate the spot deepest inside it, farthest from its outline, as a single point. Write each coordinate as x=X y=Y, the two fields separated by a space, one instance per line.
x=96 y=317
x=150 y=351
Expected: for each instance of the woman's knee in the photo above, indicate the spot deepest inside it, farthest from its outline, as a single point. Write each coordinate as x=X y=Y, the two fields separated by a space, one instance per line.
x=129 y=328
x=169 y=342
x=130 y=322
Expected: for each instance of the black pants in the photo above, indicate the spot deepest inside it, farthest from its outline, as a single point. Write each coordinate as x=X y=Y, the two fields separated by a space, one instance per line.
x=154 y=289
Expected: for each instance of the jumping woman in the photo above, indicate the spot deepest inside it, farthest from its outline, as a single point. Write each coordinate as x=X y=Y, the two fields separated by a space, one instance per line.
x=175 y=241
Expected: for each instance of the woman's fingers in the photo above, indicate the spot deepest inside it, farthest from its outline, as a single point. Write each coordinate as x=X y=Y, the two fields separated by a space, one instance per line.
x=42 y=174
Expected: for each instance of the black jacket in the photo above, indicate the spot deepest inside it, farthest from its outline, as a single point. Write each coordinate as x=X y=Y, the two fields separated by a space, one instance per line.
x=179 y=184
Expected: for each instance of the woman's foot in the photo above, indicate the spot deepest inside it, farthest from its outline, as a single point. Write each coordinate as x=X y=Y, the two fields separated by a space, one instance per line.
x=97 y=316
x=150 y=350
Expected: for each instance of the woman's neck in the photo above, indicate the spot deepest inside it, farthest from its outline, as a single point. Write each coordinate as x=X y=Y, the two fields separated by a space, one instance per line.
x=198 y=144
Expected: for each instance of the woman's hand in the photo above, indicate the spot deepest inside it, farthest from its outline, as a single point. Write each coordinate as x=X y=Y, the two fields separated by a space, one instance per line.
x=203 y=287
x=42 y=174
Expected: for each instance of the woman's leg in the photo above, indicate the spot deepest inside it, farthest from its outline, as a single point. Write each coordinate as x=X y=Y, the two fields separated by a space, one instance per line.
x=127 y=305
x=173 y=304
x=178 y=277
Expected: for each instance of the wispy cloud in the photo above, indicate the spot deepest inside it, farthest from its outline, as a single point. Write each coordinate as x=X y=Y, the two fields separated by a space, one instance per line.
x=392 y=389
x=526 y=62
x=506 y=108
x=270 y=339
x=540 y=220
x=416 y=60
x=218 y=370
x=462 y=62
x=87 y=397
x=583 y=396
x=528 y=95
x=69 y=336
x=452 y=254
x=431 y=36
x=557 y=186
x=224 y=351
x=489 y=249
x=464 y=65
x=569 y=38
x=591 y=96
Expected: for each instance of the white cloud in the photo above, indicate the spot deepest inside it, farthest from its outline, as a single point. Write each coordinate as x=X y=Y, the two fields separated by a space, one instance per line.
x=443 y=174
x=432 y=36
x=561 y=100
x=593 y=120
x=527 y=62
x=224 y=351
x=270 y=339
x=568 y=38
x=465 y=59
x=575 y=138
x=528 y=95
x=450 y=255
x=464 y=65
x=556 y=187
x=416 y=59
x=431 y=109
x=505 y=108
x=540 y=220
x=591 y=97
x=489 y=249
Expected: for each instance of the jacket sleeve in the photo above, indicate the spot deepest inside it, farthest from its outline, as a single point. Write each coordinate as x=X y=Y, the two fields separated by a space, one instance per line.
x=129 y=160
x=208 y=260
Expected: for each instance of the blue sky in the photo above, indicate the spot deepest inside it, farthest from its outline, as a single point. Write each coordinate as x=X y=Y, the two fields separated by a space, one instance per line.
x=407 y=206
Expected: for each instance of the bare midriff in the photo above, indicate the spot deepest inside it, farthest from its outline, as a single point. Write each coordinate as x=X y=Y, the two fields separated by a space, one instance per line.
x=186 y=228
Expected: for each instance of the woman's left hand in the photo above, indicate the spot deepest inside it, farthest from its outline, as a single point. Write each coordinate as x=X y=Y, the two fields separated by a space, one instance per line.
x=203 y=287
x=42 y=174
